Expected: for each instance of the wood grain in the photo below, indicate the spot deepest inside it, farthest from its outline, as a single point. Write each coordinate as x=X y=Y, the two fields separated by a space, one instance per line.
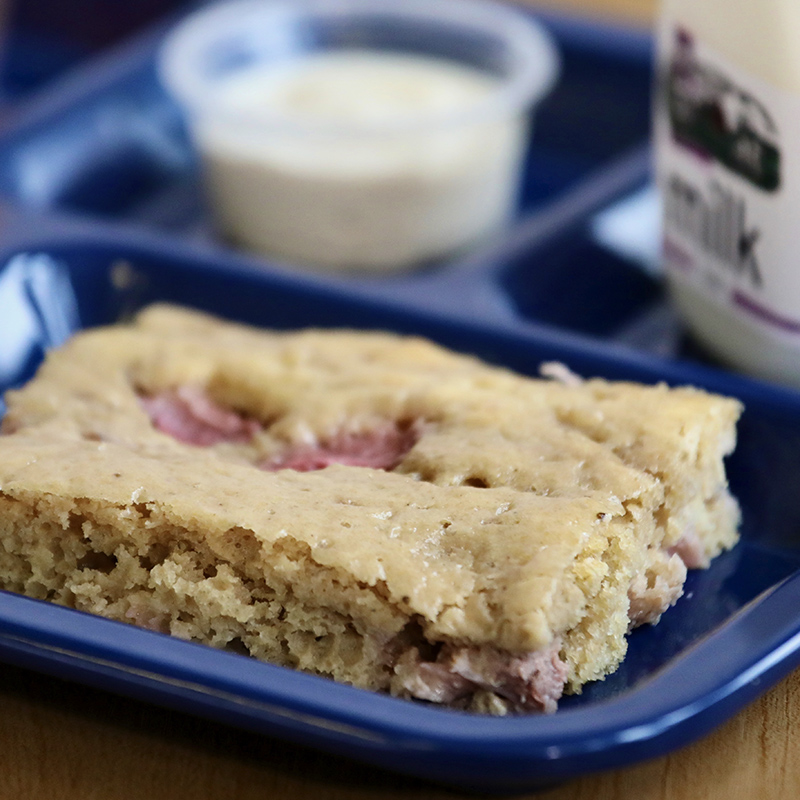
x=60 y=740
x=640 y=12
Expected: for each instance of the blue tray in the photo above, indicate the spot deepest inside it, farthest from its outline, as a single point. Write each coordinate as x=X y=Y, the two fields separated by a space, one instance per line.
x=735 y=632
x=102 y=216
x=106 y=144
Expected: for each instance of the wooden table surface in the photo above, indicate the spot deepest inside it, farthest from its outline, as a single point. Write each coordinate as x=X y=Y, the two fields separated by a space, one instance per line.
x=59 y=740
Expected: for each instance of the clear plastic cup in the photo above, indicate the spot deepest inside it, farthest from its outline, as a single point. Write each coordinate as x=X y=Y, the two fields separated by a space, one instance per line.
x=359 y=134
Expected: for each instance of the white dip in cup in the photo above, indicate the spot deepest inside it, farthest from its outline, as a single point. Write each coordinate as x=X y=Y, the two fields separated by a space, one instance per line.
x=359 y=134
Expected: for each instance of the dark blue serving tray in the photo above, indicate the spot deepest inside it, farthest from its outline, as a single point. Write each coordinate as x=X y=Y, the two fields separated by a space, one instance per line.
x=735 y=632
x=106 y=144
x=103 y=215
x=105 y=140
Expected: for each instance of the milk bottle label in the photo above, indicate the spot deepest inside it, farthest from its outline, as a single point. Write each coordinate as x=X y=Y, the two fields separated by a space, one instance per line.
x=730 y=184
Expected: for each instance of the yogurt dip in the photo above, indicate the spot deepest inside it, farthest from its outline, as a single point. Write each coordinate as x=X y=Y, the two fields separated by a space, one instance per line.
x=348 y=176
x=359 y=135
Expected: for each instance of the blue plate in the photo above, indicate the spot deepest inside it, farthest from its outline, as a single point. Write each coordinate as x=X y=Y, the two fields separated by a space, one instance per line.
x=734 y=633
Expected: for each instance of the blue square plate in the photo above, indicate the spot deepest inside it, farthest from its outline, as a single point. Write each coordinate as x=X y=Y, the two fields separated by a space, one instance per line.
x=734 y=633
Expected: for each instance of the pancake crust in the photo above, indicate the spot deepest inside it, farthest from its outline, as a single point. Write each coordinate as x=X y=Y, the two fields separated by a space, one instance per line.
x=523 y=516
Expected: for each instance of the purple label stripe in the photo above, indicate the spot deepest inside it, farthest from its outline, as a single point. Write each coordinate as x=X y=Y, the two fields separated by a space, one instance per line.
x=701 y=153
x=765 y=314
